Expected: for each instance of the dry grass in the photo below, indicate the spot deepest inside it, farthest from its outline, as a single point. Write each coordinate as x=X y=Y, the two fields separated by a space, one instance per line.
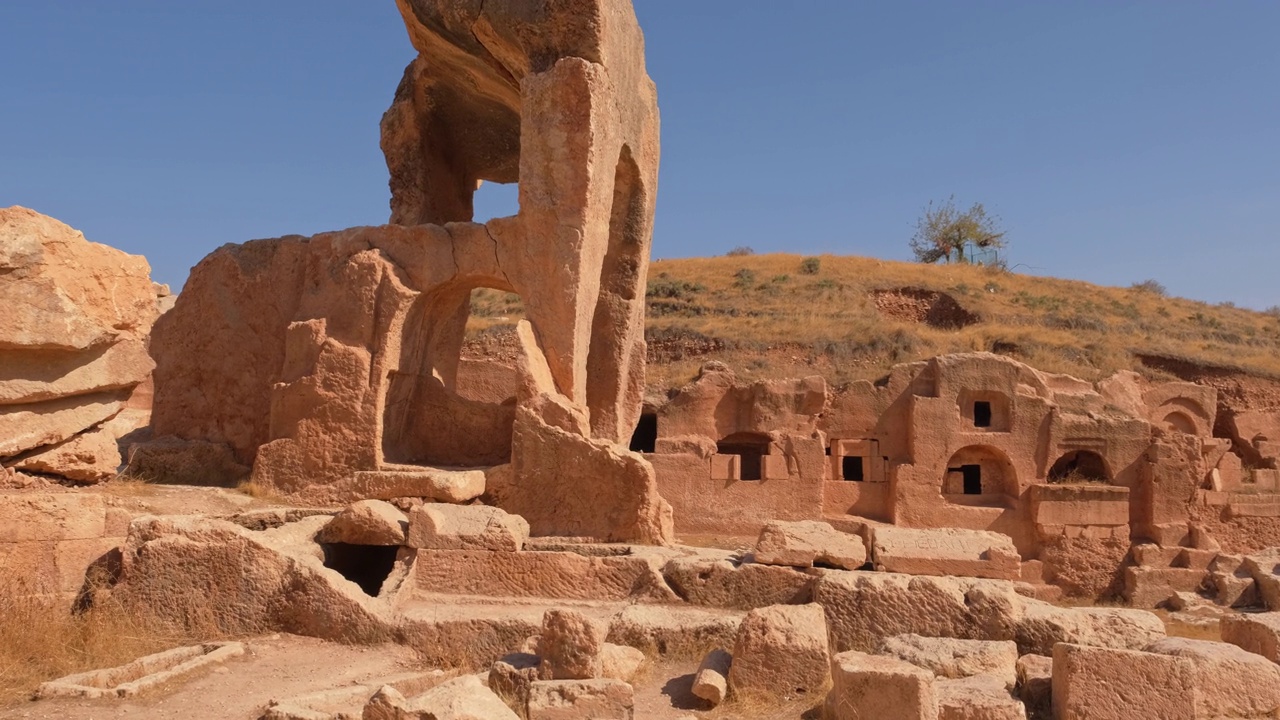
x=767 y=316
x=41 y=639
x=263 y=492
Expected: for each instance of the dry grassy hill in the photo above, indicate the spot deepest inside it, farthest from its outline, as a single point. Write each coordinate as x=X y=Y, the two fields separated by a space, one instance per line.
x=850 y=318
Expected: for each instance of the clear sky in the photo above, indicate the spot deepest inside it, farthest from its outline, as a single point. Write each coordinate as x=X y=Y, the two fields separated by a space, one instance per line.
x=1118 y=141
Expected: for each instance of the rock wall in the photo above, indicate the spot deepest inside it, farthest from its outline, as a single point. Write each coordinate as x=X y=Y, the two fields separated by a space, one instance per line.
x=74 y=367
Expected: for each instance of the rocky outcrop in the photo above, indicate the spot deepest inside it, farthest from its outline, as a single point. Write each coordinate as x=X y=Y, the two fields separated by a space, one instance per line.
x=73 y=348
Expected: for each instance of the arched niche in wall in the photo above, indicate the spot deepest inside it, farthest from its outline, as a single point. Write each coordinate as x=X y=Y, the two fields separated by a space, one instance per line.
x=979 y=475
x=1080 y=466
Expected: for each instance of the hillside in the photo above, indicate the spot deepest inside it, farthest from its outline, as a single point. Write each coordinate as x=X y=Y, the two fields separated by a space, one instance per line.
x=855 y=317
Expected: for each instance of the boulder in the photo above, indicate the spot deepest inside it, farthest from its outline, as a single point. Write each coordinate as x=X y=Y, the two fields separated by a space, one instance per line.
x=90 y=457
x=711 y=682
x=1093 y=683
x=1258 y=633
x=979 y=697
x=620 y=662
x=570 y=646
x=945 y=551
x=368 y=522
x=781 y=651
x=868 y=686
x=440 y=526
x=954 y=658
x=806 y=543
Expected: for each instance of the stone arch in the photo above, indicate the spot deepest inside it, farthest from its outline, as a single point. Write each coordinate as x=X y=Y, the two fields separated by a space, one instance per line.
x=1080 y=466
x=1179 y=421
x=979 y=474
x=426 y=420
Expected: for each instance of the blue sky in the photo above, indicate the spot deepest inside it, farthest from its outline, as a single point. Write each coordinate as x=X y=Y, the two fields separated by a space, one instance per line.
x=1118 y=141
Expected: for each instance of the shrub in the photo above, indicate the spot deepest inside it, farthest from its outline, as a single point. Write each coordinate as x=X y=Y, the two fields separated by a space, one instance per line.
x=745 y=278
x=810 y=266
x=671 y=288
x=1150 y=286
x=740 y=251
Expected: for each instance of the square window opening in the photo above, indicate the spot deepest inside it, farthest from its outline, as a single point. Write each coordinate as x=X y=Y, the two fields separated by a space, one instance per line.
x=851 y=468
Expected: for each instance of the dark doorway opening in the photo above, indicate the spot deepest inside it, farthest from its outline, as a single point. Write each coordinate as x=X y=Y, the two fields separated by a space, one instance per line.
x=982 y=414
x=365 y=565
x=851 y=468
x=645 y=437
x=972 y=479
x=750 y=449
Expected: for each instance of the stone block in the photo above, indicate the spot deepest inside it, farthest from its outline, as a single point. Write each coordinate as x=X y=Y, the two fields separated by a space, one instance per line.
x=581 y=700
x=806 y=543
x=946 y=551
x=711 y=682
x=440 y=526
x=368 y=522
x=868 y=686
x=1228 y=681
x=570 y=646
x=1258 y=633
x=1092 y=683
x=1148 y=587
x=954 y=658
x=781 y=651
x=980 y=697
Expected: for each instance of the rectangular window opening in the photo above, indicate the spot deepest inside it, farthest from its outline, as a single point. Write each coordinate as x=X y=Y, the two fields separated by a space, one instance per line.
x=851 y=468
x=982 y=414
x=972 y=479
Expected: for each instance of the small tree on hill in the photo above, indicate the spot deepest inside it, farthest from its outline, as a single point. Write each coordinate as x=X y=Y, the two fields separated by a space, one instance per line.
x=943 y=232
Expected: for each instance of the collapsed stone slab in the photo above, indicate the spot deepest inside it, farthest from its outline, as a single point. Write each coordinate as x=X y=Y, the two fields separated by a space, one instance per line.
x=1257 y=633
x=1227 y=681
x=869 y=686
x=954 y=658
x=978 y=697
x=368 y=522
x=439 y=526
x=464 y=698
x=945 y=551
x=1091 y=683
x=806 y=543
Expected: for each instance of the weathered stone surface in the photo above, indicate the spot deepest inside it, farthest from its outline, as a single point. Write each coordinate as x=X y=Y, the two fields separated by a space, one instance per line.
x=35 y=425
x=862 y=608
x=953 y=658
x=570 y=645
x=368 y=522
x=1035 y=684
x=62 y=292
x=711 y=682
x=720 y=582
x=1091 y=683
x=439 y=526
x=28 y=376
x=869 y=686
x=945 y=551
x=565 y=575
x=185 y=462
x=464 y=698
x=435 y=484
x=581 y=700
x=620 y=662
x=1264 y=566
x=1149 y=587
x=188 y=569
x=781 y=651
x=511 y=677
x=1258 y=633
x=673 y=631
x=90 y=457
x=809 y=542
x=1043 y=625
x=1228 y=681
x=979 y=697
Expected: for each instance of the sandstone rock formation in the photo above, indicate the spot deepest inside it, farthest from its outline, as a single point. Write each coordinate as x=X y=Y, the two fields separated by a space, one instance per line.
x=317 y=359
x=73 y=348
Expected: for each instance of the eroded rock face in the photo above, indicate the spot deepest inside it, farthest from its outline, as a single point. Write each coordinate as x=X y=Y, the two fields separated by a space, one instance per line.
x=73 y=348
x=317 y=360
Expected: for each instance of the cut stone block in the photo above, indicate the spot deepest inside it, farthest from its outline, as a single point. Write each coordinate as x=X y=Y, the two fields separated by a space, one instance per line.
x=945 y=551
x=1035 y=684
x=979 y=697
x=570 y=646
x=1228 y=681
x=953 y=658
x=145 y=673
x=869 y=686
x=781 y=652
x=1149 y=587
x=1043 y=626
x=1091 y=683
x=368 y=522
x=581 y=700
x=439 y=526
x=1258 y=633
x=807 y=543
x=464 y=698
